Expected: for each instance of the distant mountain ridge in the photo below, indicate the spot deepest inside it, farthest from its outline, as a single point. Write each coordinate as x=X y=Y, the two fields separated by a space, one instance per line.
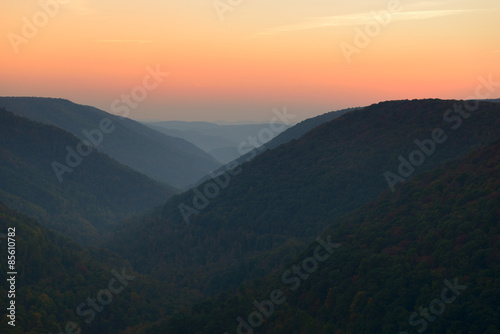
x=221 y=141
x=97 y=193
x=170 y=160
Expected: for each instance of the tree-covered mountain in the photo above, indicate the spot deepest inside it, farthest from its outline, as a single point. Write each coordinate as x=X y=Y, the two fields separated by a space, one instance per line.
x=256 y=217
x=61 y=287
x=95 y=191
x=425 y=259
x=167 y=159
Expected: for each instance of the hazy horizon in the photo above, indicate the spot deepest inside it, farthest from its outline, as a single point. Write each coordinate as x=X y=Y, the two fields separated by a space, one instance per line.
x=236 y=63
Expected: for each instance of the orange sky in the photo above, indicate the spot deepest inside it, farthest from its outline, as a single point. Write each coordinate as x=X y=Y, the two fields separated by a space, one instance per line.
x=261 y=56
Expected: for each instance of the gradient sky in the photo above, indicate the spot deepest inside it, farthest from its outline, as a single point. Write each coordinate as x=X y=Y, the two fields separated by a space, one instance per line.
x=263 y=55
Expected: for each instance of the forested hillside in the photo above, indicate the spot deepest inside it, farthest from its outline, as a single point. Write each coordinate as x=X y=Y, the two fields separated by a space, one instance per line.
x=56 y=277
x=95 y=192
x=423 y=259
x=256 y=218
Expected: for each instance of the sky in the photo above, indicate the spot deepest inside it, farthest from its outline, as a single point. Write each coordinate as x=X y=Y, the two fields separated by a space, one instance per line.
x=237 y=60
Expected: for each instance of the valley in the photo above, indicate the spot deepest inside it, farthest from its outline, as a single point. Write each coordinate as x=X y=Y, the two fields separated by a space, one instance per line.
x=314 y=219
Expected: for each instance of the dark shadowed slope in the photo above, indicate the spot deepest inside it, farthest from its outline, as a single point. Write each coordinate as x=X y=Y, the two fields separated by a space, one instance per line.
x=97 y=191
x=425 y=259
x=56 y=278
x=283 y=198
